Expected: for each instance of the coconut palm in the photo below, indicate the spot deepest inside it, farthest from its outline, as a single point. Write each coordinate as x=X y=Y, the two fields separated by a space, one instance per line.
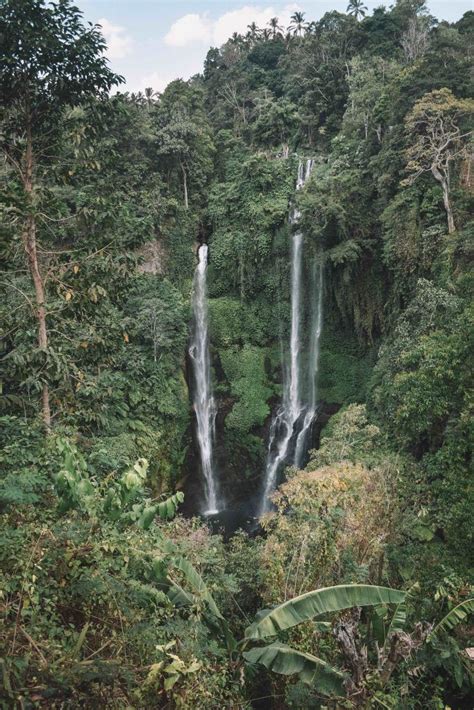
x=150 y=95
x=297 y=25
x=275 y=28
x=236 y=39
x=357 y=9
x=253 y=31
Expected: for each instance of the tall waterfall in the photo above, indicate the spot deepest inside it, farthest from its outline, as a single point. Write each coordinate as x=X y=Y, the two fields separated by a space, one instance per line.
x=290 y=428
x=204 y=404
x=313 y=364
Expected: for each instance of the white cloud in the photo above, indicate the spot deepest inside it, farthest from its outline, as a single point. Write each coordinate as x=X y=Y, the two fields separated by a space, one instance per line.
x=157 y=81
x=201 y=29
x=119 y=44
x=189 y=28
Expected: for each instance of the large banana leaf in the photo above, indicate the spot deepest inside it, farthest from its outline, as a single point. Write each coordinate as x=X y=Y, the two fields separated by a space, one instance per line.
x=166 y=510
x=199 y=589
x=397 y=623
x=311 y=670
x=320 y=601
x=454 y=617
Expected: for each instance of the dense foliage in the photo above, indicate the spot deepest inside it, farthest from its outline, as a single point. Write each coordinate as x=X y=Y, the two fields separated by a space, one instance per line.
x=111 y=597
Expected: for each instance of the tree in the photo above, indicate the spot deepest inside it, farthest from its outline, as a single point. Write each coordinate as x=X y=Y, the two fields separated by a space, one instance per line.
x=416 y=38
x=437 y=140
x=253 y=31
x=367 y=79
x=183 y=137
x=150 y=96
x=297 y=25
x=275 y=28
x=357 y=9
x=276 y=123
x=49 y=61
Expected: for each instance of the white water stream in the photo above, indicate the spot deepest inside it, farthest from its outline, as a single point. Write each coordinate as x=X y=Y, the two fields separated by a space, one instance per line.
x=204 y=404
x=291 y=426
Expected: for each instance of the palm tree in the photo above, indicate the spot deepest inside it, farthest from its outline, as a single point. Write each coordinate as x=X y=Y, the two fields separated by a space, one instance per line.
x=236 y=39
x=297 y=25
x=253 y=31
x=265 y=34
x=150 y=95
x=275 y=28
x=357 y=9
x=138 y=97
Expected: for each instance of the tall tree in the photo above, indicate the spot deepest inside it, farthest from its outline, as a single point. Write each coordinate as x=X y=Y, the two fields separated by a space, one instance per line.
x=253 y=31
x=183 y=139
x=49 y=60
x=275 y=28
x=150 y=96
x=297 y=25
x=416 y=38
x=357 y=9
x=438 y=139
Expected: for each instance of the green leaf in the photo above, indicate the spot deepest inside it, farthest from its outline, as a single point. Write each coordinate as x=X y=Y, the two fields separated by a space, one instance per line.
x=398 y=619
x=454 y=617
x=80 y=641
x=283 y=659
x=171 y=681
x=147 y=517
x=320 y=601
x=167 y=508
x=422 y=532
x=377 y=618
x=196 y=582
x=322 y=627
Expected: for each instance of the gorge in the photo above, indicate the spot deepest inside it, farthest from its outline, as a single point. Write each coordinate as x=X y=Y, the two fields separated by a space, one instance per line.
x=236 y=345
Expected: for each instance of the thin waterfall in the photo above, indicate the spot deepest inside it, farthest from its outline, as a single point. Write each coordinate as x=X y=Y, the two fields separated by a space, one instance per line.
x=204 y=404
x=285 y=423
x=313 y=365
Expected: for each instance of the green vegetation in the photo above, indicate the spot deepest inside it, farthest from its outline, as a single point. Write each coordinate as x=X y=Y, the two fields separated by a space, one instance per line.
x=110 y=597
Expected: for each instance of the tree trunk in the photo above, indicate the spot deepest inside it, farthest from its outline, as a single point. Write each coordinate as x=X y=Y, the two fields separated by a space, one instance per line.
x=29 y=244
x=446 y=201
x=447 y=207
x=185 y=186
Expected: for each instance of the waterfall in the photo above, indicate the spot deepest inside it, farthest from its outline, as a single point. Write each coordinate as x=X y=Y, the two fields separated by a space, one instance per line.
x=203 y=402
x=313 y=365
x=291 y=425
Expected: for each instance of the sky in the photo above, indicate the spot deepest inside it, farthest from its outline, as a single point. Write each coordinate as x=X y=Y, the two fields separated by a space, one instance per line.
x=152 y=42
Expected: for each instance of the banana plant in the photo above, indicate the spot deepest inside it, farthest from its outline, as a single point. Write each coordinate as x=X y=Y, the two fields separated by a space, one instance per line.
x=284 y=659
x=317 y=603
x=454 y=617
x=190 y=590
x=386 y=616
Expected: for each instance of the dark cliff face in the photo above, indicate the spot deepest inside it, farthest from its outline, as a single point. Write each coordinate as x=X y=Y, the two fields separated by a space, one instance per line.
x=240 y=478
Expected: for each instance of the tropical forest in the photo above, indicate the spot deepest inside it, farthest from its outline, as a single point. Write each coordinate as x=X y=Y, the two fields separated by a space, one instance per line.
x=236 y=366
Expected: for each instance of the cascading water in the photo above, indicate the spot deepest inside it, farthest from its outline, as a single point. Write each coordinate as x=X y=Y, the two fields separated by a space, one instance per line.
x=313 y=365
x=291 y=425
x=204 y=404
